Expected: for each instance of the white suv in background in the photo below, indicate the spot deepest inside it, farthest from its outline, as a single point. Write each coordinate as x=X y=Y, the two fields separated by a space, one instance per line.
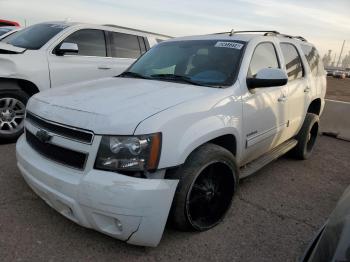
x=57 y=53
x=178 y=129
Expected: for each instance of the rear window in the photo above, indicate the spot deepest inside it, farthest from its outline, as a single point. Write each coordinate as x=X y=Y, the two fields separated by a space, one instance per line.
x=35 y=36
x=313 y=59
x=293 y=62
x=124 y=45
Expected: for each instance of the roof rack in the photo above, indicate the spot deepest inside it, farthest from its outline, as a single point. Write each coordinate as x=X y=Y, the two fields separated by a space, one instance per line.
x=133 y=29
x=266 y=33
x=300 y=38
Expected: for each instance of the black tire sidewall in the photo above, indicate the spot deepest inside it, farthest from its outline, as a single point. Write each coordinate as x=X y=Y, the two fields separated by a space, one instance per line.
x=21 y=96
x=301 y=150
x=187 y=175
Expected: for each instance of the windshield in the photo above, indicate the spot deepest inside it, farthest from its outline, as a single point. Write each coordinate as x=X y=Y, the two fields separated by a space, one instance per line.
x=34 y=37
x=201 y=62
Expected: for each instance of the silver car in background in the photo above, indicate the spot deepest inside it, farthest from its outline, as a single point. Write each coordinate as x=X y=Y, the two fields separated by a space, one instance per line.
x=339 y=74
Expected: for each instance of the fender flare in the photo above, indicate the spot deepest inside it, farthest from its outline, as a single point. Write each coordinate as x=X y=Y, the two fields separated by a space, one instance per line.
x=6 y=85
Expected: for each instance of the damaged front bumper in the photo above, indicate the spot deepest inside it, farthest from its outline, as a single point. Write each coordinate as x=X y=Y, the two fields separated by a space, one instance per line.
x=131 y=209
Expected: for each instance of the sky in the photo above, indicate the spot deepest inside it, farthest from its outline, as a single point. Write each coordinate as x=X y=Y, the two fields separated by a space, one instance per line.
x=324 y=23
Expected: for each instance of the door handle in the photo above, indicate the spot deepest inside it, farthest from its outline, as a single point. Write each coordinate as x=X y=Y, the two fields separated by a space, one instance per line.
x=104 y=68
x=307 y=90
x=282 y=99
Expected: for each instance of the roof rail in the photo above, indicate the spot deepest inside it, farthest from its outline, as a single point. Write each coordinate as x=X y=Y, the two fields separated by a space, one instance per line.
x=266 y=33
x=133 y=29
x=232 y=32
x=293 y=37
x=300 y=38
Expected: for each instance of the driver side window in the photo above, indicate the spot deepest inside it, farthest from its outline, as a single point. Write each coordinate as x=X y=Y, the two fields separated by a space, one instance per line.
x=91 y=42
x=264 y=56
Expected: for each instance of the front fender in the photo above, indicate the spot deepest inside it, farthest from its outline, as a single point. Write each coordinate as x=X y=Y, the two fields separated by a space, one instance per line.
x=187 y=126
x=200 y=133
x=30 y=66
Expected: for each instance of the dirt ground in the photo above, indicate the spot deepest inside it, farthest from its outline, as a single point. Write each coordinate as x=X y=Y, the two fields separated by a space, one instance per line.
x=338 y=89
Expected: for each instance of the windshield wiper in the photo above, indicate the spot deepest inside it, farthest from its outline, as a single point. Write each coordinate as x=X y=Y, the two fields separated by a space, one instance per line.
x=132 y=74
x=177 y=78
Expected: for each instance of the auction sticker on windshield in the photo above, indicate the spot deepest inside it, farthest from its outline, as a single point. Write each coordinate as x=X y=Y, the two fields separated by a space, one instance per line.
x=233 y=45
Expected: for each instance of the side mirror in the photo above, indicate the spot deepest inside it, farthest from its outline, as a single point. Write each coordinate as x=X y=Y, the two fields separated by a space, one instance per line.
x=268 y=77
x=67 y=48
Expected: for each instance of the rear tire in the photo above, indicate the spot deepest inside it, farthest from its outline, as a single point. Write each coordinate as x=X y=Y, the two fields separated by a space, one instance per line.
x=208 y=181
x=306 y=137
x=12 y=111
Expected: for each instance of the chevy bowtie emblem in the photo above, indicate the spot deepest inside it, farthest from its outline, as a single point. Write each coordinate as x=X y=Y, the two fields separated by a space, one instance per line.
x=43 y=136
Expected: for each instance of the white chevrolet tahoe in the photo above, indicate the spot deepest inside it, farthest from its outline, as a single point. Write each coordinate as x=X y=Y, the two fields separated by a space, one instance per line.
x=174 y=133
x=59 y=53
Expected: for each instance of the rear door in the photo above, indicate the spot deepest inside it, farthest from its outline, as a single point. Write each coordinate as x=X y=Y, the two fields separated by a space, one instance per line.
x=316 y=72
x=299 y=87
x=91 y=62
x=124 y=49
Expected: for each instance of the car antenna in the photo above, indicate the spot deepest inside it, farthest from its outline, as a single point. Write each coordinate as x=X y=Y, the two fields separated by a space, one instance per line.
x=232 y=32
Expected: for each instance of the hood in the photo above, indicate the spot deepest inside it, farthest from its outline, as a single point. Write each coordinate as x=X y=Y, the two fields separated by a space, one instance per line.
x=112 y=105
x=10 y=49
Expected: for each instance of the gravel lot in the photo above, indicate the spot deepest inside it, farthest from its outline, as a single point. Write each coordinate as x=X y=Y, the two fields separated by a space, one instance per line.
x=273 y=217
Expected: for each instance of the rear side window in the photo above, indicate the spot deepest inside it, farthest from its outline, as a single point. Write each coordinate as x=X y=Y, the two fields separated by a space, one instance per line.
x=124 y=45
x=313 y=59
x=91 y=42
x=293 y=62
x=264 y=57
x=142 y=44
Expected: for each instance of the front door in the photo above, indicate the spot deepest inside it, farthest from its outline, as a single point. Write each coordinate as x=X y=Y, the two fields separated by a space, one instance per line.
x=91 y=62
x=264 y=109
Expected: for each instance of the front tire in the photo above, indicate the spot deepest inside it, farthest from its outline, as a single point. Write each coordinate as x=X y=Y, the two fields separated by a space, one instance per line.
x=208 y=181
x=12 y=110
x=306 y=137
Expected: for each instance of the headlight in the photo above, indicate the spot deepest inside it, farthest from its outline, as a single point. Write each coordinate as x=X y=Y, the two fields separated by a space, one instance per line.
x=129 y=153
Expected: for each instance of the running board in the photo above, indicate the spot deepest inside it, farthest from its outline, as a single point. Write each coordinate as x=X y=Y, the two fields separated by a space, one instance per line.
x=262 y=161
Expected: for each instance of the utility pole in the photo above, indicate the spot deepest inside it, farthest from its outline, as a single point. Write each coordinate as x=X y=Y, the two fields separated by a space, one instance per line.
x=341 y=53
